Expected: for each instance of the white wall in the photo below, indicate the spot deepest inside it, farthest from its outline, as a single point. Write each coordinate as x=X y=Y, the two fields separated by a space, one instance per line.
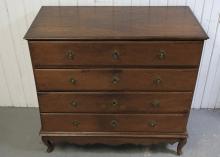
x=17 y=86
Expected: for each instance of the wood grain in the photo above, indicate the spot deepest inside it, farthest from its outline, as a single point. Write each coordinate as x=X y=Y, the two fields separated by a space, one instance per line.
x=128 y=53
x=103 y=79
x=86 y=23
x=127 y=102
x=82 y=140
x=123 y=122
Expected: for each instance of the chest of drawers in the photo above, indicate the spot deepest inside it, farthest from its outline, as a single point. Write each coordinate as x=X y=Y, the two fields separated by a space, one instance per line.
x=115 y=75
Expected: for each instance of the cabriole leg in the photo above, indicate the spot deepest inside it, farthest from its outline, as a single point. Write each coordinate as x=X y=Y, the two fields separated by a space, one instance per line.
x=48 y=143
x=180 y=145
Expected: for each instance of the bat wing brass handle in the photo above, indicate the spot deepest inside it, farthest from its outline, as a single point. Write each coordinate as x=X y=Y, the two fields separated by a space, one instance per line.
x=152 y=123
x=162 y=54
x=156 y=103
x=115 y=55
x=70 y=54
x=74 y=104
x=114 y=103
x=72 y=81
x=76 y=123
x=114 y=123
x=115 y=80
x=157 y=81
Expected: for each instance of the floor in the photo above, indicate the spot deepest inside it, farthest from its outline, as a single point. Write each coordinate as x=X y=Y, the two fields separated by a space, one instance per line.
x=19 y=138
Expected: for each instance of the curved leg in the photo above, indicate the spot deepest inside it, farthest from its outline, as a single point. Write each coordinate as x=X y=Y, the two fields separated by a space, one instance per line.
x=180 y=145
x=48 y=143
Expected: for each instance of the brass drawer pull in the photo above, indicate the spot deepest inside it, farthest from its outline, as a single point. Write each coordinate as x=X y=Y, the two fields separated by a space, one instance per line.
x=114 y=123
x=72 y=81
x=115 y=79
x=114 y=103
x=76 y=123
x=115 y=55
x=162 y=54
x=70 y=54
x=152 y=123
x=156 y=103
x=74 y=104
x=157 y=81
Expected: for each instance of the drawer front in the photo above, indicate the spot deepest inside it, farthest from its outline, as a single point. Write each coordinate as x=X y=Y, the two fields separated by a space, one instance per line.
x=115 y=53
x=114 y=122
x=121 y=80
x=142 y=102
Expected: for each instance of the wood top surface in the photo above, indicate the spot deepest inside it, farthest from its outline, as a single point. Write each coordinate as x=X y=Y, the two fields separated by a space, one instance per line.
x=115 y=23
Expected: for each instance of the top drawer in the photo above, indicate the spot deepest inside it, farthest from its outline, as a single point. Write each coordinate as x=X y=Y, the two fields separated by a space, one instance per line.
x=109 y=53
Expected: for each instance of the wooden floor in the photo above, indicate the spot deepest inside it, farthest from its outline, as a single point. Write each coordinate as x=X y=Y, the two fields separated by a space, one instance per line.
x=19 y=137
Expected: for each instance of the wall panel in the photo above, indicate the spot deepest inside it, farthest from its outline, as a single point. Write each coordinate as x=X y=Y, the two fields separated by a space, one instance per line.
x=104 y=2
x=140 y=2
x=158 y=2
x=9 y=60
x=68 y=2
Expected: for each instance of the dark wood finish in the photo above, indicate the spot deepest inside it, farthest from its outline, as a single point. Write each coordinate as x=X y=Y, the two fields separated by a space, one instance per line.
x=103 y=53
x=180 y=145
x=110 y=140
x=127 y=102
x=82 y=140
x=49 y=143
x=161 y=123
x=117 y=139
x=115 y=23
x=103 y=79
x=179 y=135
x=115 y=75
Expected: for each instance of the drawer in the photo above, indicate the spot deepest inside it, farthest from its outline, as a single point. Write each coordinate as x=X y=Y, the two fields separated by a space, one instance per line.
x=66 y=53
x=108 y=102
x=114 y=122
x=117 y=80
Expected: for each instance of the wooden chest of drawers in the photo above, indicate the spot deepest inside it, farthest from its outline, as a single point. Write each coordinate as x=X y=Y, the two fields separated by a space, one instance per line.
x=115 y=75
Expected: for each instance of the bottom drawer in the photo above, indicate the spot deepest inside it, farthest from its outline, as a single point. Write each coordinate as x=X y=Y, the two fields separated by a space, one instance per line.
x=114 y=122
